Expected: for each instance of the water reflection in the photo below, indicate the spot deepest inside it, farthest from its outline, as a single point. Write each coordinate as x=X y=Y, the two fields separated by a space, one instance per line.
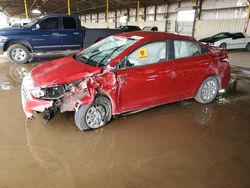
x=5 y=83
x=204 y=115
x=18 y=71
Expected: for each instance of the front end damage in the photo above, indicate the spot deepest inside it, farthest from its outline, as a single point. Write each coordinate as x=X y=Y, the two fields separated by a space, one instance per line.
x=64 y=97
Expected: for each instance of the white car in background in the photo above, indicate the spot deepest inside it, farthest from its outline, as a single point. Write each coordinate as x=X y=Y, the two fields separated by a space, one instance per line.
x=228 y=41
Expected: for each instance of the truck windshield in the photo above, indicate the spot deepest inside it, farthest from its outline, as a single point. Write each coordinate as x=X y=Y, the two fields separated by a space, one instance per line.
x=30 y=24
x=105 y=50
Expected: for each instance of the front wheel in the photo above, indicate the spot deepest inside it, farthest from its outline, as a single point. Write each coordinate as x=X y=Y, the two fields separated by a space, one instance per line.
x=208 y=90
x=95 y=115
x=18 y=53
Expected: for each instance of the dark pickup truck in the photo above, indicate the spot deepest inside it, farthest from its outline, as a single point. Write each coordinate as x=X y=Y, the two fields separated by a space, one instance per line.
x=49 y=33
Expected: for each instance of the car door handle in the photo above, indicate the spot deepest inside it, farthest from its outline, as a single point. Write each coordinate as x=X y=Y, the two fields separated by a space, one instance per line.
x=76 y=33
x=56 y=34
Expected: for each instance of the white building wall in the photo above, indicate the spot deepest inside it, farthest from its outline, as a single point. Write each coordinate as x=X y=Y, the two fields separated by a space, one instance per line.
x=222 y=4
x=141 y=24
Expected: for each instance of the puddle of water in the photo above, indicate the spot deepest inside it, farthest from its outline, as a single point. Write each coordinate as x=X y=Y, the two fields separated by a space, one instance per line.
x=173 y=145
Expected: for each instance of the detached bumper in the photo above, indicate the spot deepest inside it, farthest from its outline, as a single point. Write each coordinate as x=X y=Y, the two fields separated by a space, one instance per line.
x=31 y=104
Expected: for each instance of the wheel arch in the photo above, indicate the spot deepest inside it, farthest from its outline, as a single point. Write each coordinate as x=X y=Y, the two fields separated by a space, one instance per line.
x=204 y=78
x=22 y=42
x=107 y=95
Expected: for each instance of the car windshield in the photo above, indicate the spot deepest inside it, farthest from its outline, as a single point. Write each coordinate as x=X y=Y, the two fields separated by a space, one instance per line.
x=100 y=53
x=221 y=35
x=30 y=24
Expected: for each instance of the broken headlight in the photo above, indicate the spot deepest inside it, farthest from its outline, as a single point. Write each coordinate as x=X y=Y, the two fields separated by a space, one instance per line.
x=58 y=91
x=37 y=92
x=54 y=92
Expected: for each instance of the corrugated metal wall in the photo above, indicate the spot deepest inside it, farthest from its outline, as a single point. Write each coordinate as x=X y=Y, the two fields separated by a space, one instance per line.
x=205 y=28
x=216 y=16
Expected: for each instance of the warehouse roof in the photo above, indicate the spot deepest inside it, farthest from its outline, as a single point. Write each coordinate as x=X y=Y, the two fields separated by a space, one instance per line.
x=79 y=7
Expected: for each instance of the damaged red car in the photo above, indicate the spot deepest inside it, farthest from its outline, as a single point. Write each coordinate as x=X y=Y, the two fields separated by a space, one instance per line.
x=124 y=73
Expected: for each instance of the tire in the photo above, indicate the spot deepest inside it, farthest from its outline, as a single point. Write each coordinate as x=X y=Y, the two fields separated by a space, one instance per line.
x=223 y=46
x=248 y=47
x=208 y=90
x=100 y=111
x=18 y=53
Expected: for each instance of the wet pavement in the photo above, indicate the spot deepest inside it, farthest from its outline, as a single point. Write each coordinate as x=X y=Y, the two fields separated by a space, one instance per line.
x=183 y=144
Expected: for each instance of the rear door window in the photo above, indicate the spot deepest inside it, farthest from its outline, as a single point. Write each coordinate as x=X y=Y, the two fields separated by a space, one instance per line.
x=69 y=23
x=238 y=36
x=184 y=49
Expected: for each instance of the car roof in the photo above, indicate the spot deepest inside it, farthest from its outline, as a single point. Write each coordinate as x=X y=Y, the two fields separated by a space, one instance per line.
x=147 y=35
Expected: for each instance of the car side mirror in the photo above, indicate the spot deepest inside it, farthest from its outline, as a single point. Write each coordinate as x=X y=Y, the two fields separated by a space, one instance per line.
x=121 y=64
x=36 y=27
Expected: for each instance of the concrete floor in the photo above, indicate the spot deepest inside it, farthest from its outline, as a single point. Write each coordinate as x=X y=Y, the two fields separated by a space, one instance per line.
x=184 y=144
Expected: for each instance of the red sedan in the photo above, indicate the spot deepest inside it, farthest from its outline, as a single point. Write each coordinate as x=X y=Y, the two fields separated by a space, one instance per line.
x=123 y=73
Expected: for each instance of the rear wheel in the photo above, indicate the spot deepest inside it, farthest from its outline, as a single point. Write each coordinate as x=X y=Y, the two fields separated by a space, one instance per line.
x=208 y=90
x=248 y=47
x=223 y=46
x=95 y=115
x=18 y=53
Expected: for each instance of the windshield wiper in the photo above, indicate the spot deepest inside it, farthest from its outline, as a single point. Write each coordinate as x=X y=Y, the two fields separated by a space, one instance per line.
x=90 y=57
x=110 y=54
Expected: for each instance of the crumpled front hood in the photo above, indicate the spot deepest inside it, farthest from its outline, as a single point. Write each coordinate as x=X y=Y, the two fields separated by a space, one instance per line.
x=61 y=71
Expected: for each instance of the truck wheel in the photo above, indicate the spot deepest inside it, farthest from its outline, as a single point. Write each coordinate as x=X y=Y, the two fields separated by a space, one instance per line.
x=223 y=46
x=208 y=90
x=248 y=47
x=95 y=115
x=18 y=53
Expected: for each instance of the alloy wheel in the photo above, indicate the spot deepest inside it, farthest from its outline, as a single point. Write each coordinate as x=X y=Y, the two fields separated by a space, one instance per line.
x=209 y=90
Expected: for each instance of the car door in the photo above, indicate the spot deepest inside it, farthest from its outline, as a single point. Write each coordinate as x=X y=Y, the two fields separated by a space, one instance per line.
x=238 y=41
x=71 y=34
x=189 y=67
x=46 y=35
x=142 y=82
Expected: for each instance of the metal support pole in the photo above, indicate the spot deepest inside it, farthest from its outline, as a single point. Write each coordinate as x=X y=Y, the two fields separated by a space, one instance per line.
x=247 y=18
x=145 y=14
x=26 y=10
x=196 y=14
x=115 y=18
x=107 y=13
x=155 y=13
x=137 y=11
x=68 y=7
